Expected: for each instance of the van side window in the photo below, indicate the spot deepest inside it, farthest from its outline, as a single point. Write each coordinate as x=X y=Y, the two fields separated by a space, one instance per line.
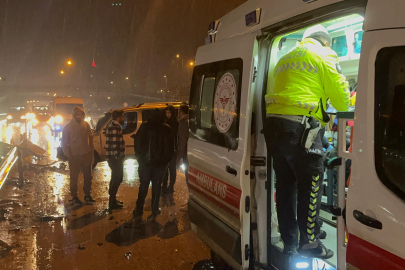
x=131 y=123
x=215 y=102
x=389 y=118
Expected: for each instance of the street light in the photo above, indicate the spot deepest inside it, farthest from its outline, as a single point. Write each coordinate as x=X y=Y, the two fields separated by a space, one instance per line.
x=62 y=72
x=178 y=55
x=112 y=82
x=126 y=78
x=191 y=63
x=69 y=62
x=166 y=80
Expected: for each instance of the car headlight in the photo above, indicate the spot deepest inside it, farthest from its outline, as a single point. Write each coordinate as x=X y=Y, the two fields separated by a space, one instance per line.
x=9 y=117
x=35 y=121
x=58 y=119
x=23 y=117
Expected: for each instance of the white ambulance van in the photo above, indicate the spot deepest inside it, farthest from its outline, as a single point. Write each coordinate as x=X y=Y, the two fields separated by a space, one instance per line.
x=231 y=181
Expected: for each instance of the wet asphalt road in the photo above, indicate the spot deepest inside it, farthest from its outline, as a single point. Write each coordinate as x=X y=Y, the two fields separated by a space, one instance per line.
x=42 y=230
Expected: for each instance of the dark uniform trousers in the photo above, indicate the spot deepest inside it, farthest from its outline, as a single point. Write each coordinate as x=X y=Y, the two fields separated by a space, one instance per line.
x=299 y=177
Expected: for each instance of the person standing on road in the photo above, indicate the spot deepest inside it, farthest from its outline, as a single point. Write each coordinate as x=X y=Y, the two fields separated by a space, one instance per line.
x=115 y=154
x=154 y=149
x=172 y=168
x=77 y=145
x=304 y=80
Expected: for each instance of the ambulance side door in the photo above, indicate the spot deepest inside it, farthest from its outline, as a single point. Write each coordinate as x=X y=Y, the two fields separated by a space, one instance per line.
x=376 y=197
x=219 y=144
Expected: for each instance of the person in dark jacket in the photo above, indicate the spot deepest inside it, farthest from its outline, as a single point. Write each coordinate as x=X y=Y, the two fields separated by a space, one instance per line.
x=154 y=149
x=172 y=168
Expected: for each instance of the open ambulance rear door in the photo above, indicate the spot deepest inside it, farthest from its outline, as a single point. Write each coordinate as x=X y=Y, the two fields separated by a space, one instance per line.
x=376 y=197
x=219 y=147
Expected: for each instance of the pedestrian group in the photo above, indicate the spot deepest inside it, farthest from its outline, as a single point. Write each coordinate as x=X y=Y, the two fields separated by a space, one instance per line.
x=160 y=147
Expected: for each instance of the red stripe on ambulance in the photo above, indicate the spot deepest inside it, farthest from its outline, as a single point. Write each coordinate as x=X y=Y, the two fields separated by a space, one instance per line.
x=364 y=255
x=222 y=191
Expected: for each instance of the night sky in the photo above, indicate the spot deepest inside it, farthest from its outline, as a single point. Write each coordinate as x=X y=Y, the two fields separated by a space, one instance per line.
x=127 y=38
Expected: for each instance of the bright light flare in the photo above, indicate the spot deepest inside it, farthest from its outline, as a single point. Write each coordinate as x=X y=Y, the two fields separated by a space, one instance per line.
x=9 y=117
x=58 y=119
x=302 y=265
x=9 y=134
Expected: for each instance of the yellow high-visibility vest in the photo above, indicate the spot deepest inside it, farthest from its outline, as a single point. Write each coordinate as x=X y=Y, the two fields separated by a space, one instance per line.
x=305 y=79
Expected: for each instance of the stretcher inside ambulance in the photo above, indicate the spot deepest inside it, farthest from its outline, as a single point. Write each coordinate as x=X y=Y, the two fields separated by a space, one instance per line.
x=231 y=180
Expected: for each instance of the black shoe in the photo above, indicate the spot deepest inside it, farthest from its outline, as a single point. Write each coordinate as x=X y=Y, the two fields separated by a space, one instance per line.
x=89 y=200
x=76 y=200
x=118 y=202
x=320 y=252
x=322 y=235
x=113 y=205
x=290 y=250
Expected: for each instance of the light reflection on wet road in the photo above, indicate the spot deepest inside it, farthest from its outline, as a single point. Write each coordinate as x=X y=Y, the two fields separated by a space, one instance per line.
x=47 y=232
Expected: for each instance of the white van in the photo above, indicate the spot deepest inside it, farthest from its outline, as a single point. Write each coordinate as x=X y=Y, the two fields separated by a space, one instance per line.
x=134 y=117
x=231 y=181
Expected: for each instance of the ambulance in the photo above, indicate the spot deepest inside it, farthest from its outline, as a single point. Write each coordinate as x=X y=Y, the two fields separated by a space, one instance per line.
x=231 y=180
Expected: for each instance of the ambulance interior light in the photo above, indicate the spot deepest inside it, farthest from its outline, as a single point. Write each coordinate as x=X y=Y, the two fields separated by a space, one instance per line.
x=345 y=23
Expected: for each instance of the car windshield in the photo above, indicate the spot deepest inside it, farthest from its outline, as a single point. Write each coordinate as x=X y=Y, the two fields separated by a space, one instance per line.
x=102 y=122
x=66 y=108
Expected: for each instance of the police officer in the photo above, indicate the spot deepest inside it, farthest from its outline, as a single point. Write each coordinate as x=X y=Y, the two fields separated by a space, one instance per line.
x=305 y=80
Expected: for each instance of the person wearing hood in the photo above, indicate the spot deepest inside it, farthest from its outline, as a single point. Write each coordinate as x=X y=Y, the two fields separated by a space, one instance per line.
x=154 y=149
x=172 y=168
x=77 y=145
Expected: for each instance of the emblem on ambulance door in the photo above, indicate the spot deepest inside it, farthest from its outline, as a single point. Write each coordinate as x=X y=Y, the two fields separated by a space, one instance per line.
x=225 y=102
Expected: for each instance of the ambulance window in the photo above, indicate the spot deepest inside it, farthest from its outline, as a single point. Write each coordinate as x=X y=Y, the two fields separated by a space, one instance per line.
x=206 y=101
x=389 y=118
x=339 y=45
x=214 y=103
x=358 y=39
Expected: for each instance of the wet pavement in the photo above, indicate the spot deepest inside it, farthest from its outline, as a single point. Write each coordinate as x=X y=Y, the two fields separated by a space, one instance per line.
x=41 y=229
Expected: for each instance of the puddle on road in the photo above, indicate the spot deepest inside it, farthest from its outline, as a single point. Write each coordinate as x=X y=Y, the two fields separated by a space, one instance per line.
x=128 y=234
x=86 y=220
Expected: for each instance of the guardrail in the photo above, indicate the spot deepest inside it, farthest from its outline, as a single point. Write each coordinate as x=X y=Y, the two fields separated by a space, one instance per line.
x=7 y=163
